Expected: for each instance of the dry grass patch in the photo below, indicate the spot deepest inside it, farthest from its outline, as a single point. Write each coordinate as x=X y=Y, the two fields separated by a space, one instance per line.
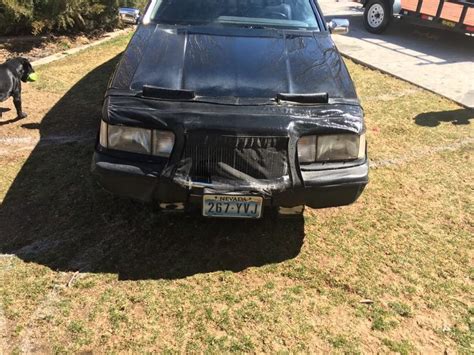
x=150 y=282
x=403 y=119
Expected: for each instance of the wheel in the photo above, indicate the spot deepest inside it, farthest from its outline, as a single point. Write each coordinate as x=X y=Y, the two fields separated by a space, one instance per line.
x=377 y=16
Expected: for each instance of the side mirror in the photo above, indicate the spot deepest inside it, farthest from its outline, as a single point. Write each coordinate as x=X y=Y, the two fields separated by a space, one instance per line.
x=129 y=15
x=339 y=26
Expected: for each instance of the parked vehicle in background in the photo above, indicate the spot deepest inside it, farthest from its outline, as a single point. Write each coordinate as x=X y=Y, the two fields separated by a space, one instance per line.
x=453 y=15
x=129 y=15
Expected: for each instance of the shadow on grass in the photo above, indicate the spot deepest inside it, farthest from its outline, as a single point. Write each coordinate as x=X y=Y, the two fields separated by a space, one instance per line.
x=2 y=111
x=10 y=121
x=17 y=44
x=55 y=215
x=433 y=119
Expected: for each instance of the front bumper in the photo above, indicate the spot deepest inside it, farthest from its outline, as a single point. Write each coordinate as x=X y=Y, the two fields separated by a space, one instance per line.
x=144 y=182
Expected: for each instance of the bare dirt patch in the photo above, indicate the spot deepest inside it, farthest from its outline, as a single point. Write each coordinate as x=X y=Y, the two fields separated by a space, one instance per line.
x=37 y=47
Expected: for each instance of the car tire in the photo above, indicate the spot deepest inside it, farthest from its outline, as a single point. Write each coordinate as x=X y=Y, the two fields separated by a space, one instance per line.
x=377 y=16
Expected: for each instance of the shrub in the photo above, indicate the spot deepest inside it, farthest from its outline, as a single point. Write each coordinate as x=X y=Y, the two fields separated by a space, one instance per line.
x=60 y=16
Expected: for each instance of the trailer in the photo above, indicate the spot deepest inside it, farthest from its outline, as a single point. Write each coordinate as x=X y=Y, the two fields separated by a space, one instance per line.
x=453 y=15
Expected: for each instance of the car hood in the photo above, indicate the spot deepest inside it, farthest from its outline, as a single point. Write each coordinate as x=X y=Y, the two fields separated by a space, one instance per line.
x=233 y=63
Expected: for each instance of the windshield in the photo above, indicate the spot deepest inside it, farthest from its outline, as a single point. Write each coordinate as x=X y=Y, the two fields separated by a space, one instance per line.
x=296 y=14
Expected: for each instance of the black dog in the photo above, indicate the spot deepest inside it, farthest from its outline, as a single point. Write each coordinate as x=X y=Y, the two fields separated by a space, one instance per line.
x=12 y=73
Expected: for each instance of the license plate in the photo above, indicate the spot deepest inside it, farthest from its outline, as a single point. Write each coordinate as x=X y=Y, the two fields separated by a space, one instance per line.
x=232 y=206
x=448 y=23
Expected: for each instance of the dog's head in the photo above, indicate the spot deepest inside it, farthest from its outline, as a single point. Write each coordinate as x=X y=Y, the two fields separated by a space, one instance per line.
x=23 y=68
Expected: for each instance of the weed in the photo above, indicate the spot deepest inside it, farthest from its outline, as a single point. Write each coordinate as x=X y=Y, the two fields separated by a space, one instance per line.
x=400 y=347
x=401 y=309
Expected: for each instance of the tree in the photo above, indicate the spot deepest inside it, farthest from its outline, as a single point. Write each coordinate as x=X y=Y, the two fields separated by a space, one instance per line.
x=60 y=16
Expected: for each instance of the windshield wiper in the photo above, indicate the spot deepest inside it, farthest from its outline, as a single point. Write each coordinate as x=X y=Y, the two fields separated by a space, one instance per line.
x=257 y=27
x=167 y=94
x=313 y=98
x=182 y=22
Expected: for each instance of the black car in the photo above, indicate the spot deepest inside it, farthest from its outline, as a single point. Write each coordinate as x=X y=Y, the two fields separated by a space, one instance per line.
x=235 y=107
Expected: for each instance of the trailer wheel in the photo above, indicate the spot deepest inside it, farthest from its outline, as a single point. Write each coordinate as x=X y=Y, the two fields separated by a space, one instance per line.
x=377 y=16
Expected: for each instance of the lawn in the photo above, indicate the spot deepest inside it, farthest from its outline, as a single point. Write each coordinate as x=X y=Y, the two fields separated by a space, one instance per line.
x=81 y=270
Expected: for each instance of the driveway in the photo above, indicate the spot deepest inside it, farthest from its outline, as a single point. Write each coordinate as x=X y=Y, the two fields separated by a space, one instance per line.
x=440 y=61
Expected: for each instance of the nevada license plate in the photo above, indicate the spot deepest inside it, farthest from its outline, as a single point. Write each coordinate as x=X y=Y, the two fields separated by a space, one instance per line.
x=232 y=206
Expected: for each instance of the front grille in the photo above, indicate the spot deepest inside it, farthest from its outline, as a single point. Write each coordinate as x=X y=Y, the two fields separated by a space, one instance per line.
x=236 y=158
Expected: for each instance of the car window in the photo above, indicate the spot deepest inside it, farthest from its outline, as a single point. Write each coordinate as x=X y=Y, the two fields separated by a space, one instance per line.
x=243 y=13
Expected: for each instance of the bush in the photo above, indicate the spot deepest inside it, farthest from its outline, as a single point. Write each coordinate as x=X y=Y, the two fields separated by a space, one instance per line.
x=60 y=16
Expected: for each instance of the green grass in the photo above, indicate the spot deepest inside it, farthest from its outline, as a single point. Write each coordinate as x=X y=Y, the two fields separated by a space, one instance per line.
x=59 y=76
x=153 y=282
x=403 y=347
x=401 y=309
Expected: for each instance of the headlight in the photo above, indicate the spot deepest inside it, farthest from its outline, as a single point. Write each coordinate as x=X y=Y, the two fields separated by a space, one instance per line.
x=331 y=148
x=307 y=149
x=130 y=139
x=163 y=143
x=136 y=140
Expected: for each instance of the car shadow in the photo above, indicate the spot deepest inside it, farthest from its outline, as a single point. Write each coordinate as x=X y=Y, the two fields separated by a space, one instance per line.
x=55 y=215
x=433 y=119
